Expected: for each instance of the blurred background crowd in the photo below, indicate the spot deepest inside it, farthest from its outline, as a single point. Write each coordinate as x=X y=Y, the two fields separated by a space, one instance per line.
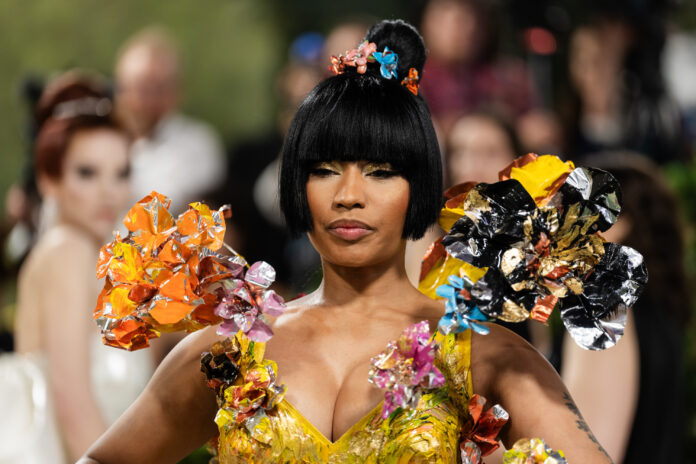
x=192 y=99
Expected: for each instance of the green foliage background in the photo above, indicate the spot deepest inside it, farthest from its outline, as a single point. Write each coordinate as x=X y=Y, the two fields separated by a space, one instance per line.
x=230 y=50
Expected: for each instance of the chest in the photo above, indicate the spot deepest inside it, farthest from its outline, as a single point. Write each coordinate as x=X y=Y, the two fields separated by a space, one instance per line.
x=429 y=433
x=328 y=384
x=309 y=410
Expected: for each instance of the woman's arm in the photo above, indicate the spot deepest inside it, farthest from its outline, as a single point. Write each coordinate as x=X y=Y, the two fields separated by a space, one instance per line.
x=605 y=387
x=66 y=306
x=172 y=417
x=509 y=371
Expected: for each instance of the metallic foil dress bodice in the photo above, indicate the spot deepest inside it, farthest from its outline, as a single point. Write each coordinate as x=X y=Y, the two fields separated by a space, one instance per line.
x=430 y=433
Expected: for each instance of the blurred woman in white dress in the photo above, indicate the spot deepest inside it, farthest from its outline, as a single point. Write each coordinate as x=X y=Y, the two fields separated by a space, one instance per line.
x=62 y=388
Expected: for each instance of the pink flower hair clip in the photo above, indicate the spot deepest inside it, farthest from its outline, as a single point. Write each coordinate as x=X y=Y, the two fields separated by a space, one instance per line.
x=358 y=58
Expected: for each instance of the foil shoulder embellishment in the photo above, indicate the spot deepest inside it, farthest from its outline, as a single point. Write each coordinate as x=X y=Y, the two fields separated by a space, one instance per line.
x=480 y=432
x=526 y=451
x=170 y=275
x=245 y=384
x=535 y=235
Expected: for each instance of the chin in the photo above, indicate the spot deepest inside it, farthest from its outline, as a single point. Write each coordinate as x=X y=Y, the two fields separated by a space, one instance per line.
x=356 y=258
x=361 y=253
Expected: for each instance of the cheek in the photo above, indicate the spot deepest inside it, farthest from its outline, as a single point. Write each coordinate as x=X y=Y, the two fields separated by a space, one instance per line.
x=402 y=200
x=317 y=194
x=77 y=191
x=396 y=201
x=76 y=201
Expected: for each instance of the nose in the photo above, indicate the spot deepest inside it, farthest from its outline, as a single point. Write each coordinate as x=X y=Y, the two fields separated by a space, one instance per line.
x=109 y=189
x=350 y=191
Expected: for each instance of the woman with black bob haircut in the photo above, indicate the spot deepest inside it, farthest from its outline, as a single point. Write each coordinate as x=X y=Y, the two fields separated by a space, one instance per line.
x=361 y=174
x=365 y=117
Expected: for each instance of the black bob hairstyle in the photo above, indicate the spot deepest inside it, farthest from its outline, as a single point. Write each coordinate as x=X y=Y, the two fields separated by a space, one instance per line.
x=365 y=117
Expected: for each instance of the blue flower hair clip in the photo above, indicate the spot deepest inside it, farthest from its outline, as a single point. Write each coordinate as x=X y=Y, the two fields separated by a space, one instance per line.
x=388 y=61
x=460 y=311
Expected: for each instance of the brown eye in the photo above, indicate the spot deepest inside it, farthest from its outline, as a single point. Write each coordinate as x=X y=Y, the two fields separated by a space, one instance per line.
x=124 y=174
x=86 y=172
x=381 y=171
x=384 y=173
x=322 y=170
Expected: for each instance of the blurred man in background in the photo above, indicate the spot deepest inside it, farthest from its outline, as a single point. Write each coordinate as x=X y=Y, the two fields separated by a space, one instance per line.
x=173 y=154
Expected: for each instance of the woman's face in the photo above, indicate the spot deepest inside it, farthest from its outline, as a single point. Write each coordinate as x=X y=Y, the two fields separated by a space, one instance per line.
x=479 y=149
x=94 y=188
x=358 y=212
x=451 y=30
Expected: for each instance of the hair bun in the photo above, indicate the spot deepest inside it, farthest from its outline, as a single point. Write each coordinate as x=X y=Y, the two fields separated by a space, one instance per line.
x=403 y=39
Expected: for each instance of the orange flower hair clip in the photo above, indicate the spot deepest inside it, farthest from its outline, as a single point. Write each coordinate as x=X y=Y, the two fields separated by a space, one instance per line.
x=411 y=82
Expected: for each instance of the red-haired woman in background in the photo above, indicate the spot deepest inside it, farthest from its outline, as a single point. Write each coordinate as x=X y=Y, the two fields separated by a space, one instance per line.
x=82 y=166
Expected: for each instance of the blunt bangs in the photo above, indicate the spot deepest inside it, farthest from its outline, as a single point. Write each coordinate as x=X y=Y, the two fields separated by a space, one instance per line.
x=357 y=126
x=353 y=117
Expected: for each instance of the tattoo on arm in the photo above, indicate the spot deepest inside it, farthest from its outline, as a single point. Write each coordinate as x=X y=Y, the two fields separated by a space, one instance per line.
x=582 y=425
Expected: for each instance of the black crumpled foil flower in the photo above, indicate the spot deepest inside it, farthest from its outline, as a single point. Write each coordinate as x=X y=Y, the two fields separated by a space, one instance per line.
x=221 y=364
x=540 y=257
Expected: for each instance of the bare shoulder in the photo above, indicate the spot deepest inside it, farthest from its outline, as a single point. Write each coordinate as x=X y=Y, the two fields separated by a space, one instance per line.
x=65 y=248
x=499 y=342
x=182 y=368
x=501 y=354
x=193 y=345
x=509 y=371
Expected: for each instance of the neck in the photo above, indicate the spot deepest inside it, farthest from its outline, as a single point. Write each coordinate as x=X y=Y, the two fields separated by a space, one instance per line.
x=363 y=287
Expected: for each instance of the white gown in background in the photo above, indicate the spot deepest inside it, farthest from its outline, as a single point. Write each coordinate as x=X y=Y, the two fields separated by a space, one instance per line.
x=29 y=432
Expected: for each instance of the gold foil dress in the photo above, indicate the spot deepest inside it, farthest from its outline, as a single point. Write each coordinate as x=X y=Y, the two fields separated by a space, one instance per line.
x=265 y=428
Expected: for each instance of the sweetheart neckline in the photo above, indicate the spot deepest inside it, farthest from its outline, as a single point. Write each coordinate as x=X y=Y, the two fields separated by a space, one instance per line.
x=360 y=423
x=259 y=351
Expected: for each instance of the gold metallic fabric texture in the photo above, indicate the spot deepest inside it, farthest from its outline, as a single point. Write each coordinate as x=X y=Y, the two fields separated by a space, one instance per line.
x=430 y=433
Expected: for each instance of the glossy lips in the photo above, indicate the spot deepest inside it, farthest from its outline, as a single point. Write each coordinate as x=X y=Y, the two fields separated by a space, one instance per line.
x=350 y=230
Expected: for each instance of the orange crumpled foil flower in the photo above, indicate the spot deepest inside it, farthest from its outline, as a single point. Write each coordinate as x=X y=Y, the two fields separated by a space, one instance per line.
x=480 y=433
x=159 y=277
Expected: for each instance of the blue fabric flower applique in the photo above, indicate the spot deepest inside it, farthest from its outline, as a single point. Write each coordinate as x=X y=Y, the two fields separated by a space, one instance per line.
x=388 y=61
x=460 y=311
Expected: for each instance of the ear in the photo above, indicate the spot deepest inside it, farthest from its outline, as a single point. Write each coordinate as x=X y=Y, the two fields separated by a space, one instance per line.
x=47 y=186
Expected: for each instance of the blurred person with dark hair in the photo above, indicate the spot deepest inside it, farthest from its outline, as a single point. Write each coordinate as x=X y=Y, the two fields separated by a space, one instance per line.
x=172 y=154
x=62 y=387
x=465 y=71
x=479 y=146
x=618 y=94
x=20 y=224
x=22 y=200
x=632 y=395
x=540 y=131
x=679 y=66
x=257 y=228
